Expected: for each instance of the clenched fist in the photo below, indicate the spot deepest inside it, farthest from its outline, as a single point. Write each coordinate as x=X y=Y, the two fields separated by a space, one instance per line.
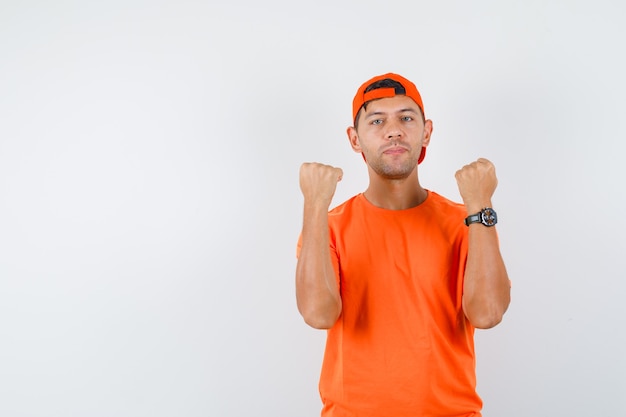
x=477 y=183
x=318 y=182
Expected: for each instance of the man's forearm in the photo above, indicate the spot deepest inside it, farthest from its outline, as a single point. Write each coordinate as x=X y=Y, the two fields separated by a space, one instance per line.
x=317 y=291
x=487 y=288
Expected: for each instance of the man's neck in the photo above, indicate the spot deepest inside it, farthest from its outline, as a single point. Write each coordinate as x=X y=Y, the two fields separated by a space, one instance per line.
x=396 y=194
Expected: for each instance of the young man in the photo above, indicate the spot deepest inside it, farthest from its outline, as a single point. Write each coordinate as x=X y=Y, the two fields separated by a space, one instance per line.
x=399 y=275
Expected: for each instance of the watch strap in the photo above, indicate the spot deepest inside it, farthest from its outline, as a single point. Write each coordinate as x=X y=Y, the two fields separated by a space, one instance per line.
x=474 y=218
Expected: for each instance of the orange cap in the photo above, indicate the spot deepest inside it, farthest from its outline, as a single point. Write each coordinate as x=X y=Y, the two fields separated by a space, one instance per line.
x=410 y=90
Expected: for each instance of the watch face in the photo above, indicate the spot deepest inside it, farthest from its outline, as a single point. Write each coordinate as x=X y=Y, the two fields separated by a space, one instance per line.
x=488 y=217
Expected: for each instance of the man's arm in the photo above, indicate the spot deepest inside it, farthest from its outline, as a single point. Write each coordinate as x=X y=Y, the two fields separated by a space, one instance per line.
x=487 y=288
x=317 y=291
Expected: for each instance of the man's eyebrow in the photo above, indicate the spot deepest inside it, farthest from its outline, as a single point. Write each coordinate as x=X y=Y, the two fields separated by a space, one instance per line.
x=378 y=113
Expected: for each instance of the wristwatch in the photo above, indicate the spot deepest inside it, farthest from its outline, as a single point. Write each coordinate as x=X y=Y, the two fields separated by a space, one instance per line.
x=486 y=216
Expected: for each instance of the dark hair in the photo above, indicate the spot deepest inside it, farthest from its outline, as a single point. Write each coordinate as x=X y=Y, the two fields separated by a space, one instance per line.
x=385 y=83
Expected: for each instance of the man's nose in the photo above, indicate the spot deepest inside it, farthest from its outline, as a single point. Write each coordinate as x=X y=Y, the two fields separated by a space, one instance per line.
x=393 y=130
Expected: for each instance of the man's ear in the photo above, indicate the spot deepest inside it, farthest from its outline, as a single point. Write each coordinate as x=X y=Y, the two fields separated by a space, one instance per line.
x=428 y=131
x=353 y=137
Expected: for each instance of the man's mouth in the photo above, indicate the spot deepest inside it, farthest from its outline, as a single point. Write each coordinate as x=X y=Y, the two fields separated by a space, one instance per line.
x=395 y=150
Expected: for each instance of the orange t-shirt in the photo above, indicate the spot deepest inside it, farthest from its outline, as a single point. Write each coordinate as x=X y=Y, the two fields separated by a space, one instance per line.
x=402 y=345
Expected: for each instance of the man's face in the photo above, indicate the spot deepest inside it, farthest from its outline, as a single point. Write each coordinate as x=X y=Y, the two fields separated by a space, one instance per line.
x=390 y=134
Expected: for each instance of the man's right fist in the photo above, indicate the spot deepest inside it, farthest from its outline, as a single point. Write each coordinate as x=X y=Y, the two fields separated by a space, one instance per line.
x=318 y=182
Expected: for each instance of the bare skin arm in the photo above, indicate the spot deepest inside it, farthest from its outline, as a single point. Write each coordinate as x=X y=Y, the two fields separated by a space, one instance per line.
x=317 y=292
x=486 y=291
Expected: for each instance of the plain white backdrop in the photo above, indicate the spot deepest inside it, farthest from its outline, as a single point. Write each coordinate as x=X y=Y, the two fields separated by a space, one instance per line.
x=149 y=200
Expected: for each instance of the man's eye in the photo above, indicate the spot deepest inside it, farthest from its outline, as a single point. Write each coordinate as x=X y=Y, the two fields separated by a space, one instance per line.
x=407 y=118
x=377 y=121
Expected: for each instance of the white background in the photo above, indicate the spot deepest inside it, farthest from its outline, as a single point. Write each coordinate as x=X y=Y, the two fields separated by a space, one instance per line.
x=149 y=200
